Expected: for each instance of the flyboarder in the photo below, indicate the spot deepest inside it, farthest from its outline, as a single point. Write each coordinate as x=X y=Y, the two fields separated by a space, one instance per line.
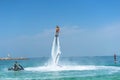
x=115 y=59
x=57 y=31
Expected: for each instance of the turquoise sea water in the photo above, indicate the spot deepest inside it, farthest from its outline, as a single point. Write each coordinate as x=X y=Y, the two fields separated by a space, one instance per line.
x=70 y=68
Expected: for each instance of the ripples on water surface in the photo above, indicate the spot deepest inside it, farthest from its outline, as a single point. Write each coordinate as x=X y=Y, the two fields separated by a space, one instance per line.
x=72 y=68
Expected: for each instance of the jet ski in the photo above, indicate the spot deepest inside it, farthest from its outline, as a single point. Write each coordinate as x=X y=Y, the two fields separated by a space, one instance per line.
x=16 y=67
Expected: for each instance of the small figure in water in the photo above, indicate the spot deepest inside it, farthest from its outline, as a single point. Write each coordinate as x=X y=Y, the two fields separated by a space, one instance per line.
x=115 y=59
x=17 y=66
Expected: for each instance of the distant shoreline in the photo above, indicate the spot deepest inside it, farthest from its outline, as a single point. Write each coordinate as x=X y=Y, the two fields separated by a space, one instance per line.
x=14 y=58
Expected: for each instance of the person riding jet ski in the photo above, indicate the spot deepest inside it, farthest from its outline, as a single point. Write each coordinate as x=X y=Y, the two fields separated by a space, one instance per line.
x=16 y=67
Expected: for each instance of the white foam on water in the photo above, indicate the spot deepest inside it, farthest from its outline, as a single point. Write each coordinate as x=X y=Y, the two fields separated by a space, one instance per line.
x=70 y=68
x=59 y=68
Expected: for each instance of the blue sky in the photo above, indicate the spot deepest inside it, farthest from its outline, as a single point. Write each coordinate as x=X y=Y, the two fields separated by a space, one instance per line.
x=88 y=27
